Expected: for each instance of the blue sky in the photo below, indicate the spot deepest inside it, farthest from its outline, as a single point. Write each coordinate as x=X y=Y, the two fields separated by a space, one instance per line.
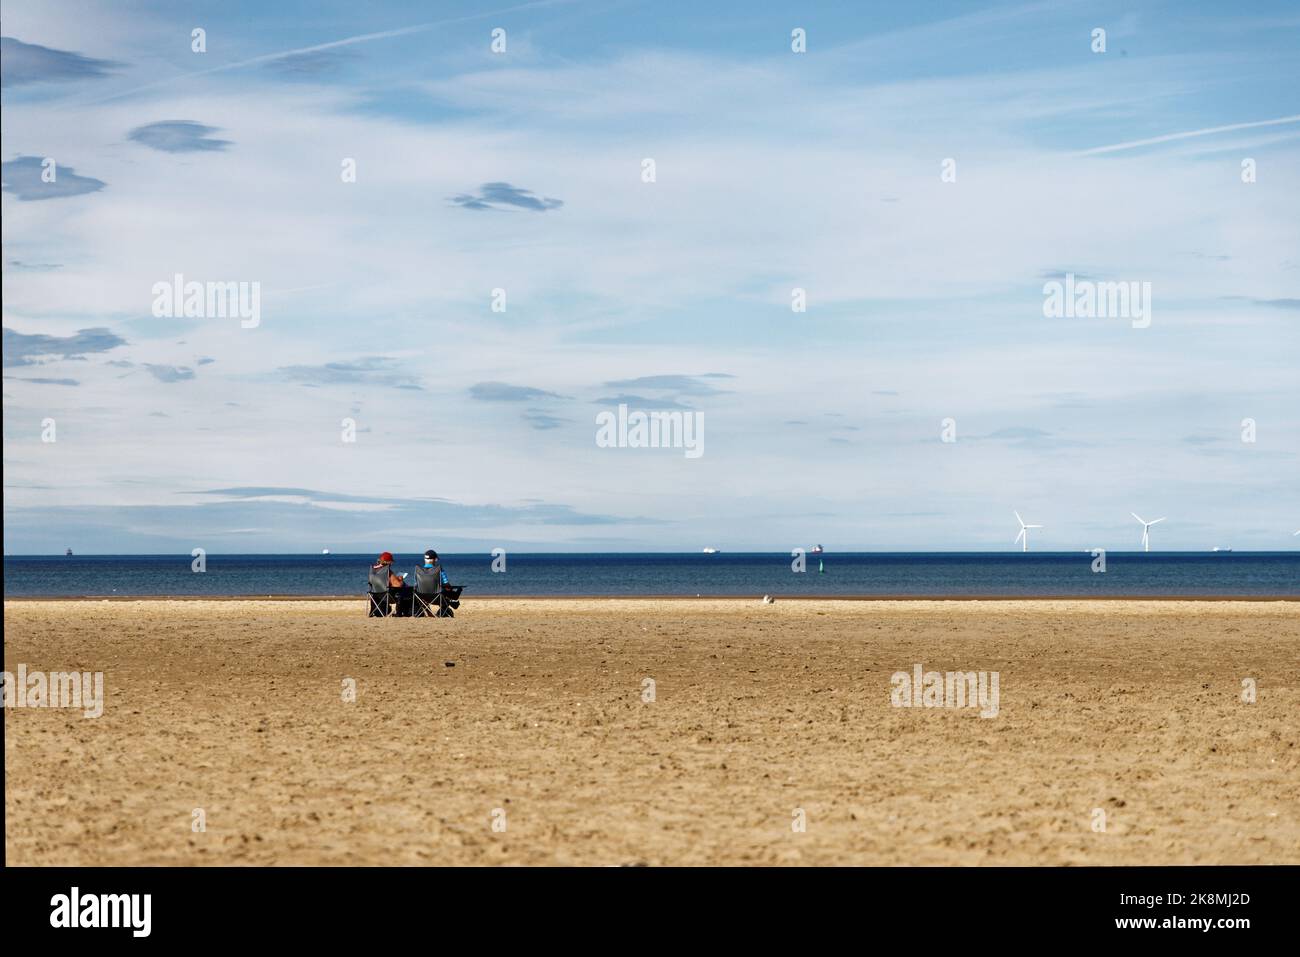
x=522 y=170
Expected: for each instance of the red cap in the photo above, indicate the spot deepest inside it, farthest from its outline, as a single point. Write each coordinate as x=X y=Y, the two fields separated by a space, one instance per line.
x=386 y=557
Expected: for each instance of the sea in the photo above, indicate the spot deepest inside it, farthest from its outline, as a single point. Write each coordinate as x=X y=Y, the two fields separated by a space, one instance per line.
x=687 y=574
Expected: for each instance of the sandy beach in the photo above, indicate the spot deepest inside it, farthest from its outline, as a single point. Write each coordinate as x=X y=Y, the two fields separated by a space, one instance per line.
x=526 y=732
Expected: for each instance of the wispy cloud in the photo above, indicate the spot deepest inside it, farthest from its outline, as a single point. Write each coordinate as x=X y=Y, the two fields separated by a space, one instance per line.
x=504 y=392
x=178 y=136
x=1190 y=134
x=37 y=380
x=368 y=370
x=32 y=63
x=24 y=349
x=27 y=178
x=267 y=58
x=543 y=421
x=1024 y=437
x=311 y=65
x=166 y=373
x=682 y=384
x=629 y=399
x=504 y=196
x=437 y=510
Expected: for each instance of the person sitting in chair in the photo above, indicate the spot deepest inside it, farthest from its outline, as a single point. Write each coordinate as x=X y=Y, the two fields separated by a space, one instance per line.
x=384 y=579
x=430 y=582
x=433 y=593
x=432 y=569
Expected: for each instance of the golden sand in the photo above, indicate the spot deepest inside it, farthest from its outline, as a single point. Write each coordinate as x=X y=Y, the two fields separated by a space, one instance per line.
x=1128 y=713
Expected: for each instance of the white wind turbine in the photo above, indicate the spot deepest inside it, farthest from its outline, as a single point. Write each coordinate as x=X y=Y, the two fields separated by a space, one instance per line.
x=1146 y=530
x=1023 y=537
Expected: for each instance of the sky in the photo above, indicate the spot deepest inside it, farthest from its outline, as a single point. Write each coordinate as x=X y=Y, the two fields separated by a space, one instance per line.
x=389 y=180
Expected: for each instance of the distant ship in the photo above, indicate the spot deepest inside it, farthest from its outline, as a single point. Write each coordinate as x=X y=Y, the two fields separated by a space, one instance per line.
x=68 y=553
x=817 y=550
x=1217 y=548
x=324 y=551
x=710 y=550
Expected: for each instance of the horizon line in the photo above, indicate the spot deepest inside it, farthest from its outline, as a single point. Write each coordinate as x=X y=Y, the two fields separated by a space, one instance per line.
x=780 y=551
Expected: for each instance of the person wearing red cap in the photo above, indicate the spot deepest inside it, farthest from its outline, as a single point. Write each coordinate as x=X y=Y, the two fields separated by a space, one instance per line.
x=383 y=577
x=386 y=559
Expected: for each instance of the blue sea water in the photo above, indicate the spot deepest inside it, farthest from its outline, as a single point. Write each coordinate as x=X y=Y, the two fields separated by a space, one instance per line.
x=742 y=574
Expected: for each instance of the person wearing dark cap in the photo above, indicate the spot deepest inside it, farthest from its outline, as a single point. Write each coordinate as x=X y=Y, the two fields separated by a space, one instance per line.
x=430 y=573
x=430 y=579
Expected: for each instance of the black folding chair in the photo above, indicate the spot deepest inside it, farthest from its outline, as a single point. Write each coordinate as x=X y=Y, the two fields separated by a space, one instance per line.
x=432 y=598
x=379 y=606
x=428 y=606
x=377 y=590
x=441 y=604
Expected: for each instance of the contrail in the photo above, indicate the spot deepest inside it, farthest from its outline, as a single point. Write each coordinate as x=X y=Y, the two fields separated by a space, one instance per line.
x=331 y=45
x=1183 y=136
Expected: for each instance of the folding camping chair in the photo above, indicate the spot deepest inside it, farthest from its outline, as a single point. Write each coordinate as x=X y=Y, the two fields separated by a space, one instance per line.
x=440 y=604
x=379 y=604
x=432 y=599
x=377 y=590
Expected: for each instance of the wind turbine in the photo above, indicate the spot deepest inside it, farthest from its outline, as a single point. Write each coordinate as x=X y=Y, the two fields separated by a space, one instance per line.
x=1023 y=534
x=1146 y=530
